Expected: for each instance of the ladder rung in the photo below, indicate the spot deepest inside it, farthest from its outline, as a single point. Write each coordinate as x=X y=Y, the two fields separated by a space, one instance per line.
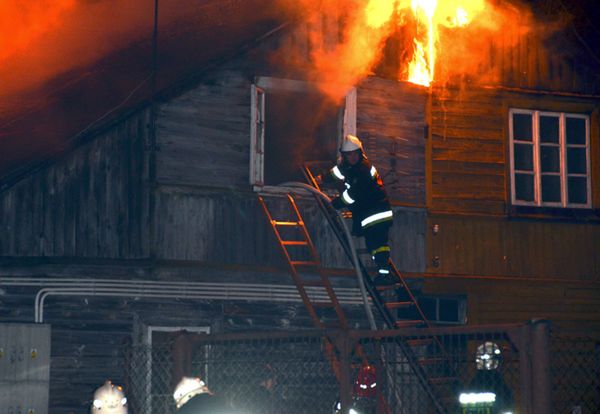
x=294 y=243
x=441 y=380
x=304 y=263
x=407 y=323
x=323 y=304
x=388 y=287
x=397 y=305
x=431 y=360
x=287 y=223
x=313 y=283
x=331 y=325
x=419 y=341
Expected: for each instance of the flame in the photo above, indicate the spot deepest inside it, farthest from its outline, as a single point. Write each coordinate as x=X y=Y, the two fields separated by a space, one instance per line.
x=430 y=14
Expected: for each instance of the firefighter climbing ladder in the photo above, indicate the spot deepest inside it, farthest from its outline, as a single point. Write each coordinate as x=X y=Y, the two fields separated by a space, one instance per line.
x=433 y=372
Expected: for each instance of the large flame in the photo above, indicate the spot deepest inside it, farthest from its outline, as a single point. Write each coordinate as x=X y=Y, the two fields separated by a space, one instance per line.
x=450 y=34
x=430 y=15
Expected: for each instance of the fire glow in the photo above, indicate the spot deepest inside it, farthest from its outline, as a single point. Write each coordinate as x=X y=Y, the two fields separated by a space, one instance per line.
x=429 y=16
x=438 y=39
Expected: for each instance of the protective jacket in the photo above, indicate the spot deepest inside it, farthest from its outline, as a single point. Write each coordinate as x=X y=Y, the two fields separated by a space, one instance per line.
x=364 y=194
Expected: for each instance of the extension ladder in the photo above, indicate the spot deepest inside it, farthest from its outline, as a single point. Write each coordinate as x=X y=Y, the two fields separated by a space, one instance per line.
x=433 y=372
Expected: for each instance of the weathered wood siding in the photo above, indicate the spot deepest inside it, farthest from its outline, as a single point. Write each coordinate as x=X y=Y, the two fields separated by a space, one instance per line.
x=468 y=153
x=571 y=307
x=391 y=123
x=92 y=203
x=522 y=248
x=204 y=135
x=228 y=229
x=91 y=336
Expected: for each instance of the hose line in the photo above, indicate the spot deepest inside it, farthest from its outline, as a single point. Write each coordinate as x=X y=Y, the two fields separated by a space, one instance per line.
x=359 y=275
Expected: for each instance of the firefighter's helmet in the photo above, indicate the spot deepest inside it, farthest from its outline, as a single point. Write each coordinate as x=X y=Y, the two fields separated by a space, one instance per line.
x=365 y=385
x=187 y=389
x=351 y=143
x=109 y=399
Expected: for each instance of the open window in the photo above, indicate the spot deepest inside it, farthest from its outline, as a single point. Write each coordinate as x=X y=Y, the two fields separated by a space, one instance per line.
x=550 y=159
x=293 y=122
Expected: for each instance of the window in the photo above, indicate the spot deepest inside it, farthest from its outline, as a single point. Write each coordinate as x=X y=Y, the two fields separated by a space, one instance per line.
x=550 y=159
x=293 y=122
x=449 y=310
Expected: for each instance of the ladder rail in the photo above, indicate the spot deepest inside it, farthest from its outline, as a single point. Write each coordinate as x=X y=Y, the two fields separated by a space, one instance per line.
x=310 y=305
x=378 y=301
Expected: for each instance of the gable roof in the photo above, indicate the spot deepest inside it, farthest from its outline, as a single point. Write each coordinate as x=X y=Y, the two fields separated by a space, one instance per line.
x=48 y=119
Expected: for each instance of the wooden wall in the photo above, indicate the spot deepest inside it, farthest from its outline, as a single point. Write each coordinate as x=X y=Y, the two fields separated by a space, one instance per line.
x=468 y=167
x=92 y=203
x=571 y=307
x=204 y=135
x=526 y=248
x=91 y=336
x=391 y=123
x=232 y=229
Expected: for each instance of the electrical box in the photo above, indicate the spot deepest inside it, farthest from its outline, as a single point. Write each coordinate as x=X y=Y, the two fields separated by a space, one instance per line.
x=24 y=368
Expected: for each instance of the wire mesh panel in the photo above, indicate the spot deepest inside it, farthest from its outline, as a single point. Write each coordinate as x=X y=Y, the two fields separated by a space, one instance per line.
x=575 y=370
x=269 y=376
x=261 y=373
x=473 y=365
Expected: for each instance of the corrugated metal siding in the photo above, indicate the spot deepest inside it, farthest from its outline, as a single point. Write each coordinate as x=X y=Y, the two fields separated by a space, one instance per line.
x=502 y=247
x=92 y=204
x=391 y=123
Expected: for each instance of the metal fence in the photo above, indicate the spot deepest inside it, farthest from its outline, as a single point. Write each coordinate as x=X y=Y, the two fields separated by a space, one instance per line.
x=293 y=372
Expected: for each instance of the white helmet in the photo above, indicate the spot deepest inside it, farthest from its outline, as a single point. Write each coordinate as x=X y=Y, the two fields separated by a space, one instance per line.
x=109 y=399
x=350 y=143
x=187 y=389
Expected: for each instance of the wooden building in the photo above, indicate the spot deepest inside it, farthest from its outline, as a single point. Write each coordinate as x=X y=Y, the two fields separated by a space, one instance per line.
x=152 y=223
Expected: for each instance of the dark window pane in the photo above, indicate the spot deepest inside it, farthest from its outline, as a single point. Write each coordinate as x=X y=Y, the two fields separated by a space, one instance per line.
x=524 y=157
x=575 y=131
x=524 y=187
x=551 y=189
x=522 y=127
x=428 y=306
x=291 y=138
x=448 y=310
x=576 y=161
x=578 y=190
x=550 y=159
x=549 y=129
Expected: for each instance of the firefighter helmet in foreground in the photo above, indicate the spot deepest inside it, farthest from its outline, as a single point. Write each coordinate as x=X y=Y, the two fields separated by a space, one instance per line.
x=351 y=143
x=109 y=399
x=187 y=389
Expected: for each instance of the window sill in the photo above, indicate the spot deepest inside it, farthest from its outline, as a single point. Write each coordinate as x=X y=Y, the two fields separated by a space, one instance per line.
x=554 y=213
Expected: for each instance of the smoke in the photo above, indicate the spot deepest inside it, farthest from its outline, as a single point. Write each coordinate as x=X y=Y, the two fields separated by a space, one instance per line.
x=40 y=39
x=461 y=48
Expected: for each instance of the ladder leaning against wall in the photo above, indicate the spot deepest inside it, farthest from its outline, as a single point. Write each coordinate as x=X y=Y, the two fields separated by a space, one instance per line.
x=396 y=305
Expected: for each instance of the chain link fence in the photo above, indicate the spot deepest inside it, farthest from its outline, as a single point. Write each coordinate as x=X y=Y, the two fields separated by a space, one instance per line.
x=575 y=371
x=299 y=372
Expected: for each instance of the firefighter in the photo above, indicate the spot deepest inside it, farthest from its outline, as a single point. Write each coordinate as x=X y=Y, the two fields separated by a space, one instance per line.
x=109 y=399
x=365 y=196
x=192 y=396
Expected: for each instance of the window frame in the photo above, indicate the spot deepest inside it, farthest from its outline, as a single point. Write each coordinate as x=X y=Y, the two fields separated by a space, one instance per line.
x=563 y=147
x=258 y=92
